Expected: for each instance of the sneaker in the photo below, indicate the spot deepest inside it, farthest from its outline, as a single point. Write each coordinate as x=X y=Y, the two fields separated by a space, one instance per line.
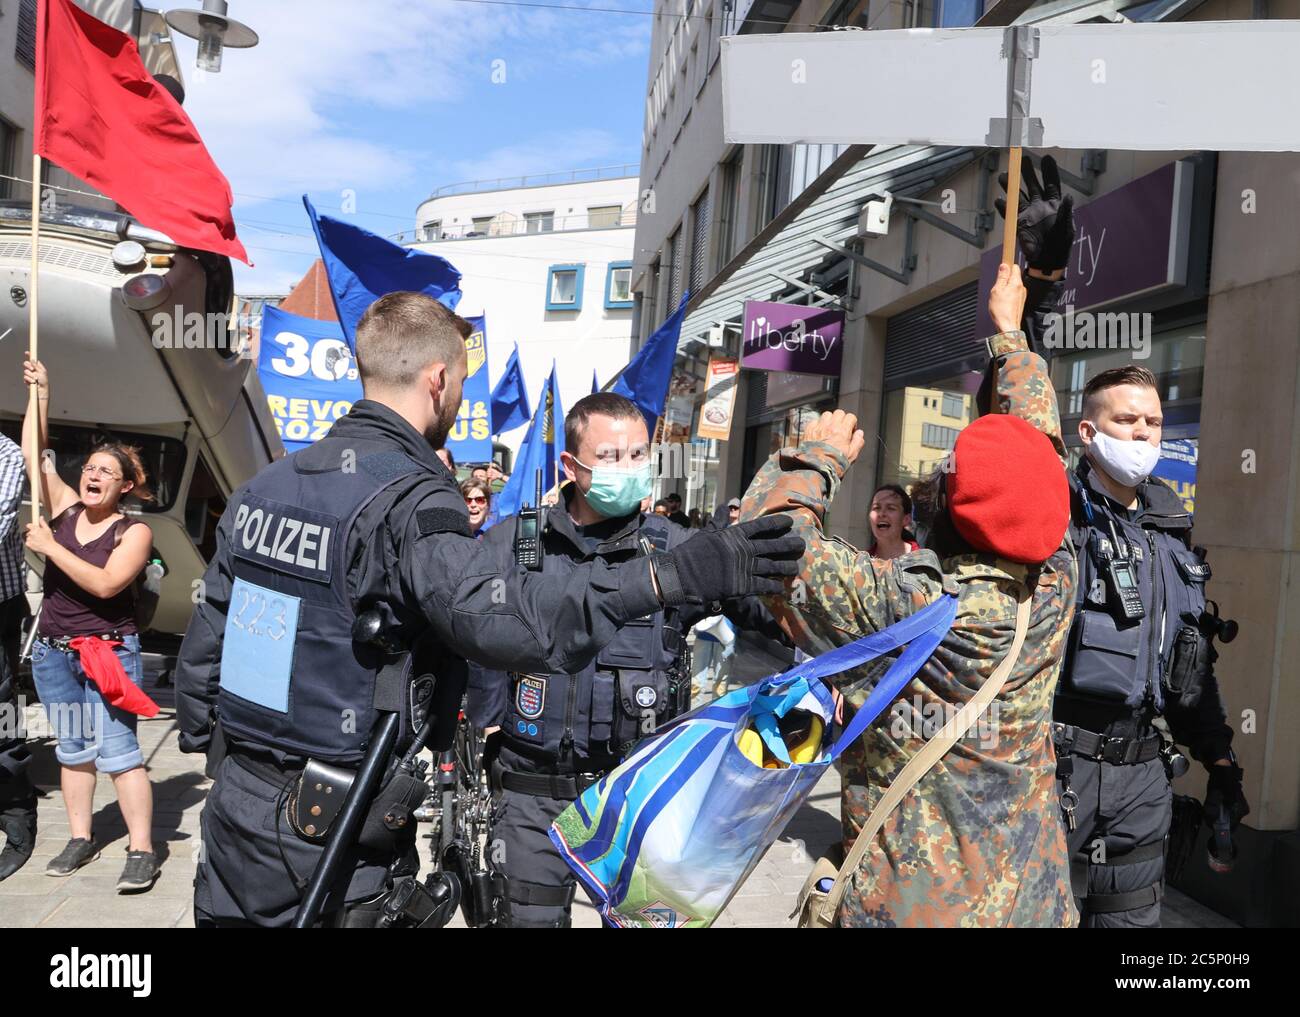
x=76 y=853
x=140 y=872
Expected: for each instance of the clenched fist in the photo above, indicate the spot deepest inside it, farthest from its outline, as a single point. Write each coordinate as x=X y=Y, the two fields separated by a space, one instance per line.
x=839 y=430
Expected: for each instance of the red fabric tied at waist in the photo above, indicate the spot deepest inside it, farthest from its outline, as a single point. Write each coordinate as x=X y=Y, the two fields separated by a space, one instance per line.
x=103 y=668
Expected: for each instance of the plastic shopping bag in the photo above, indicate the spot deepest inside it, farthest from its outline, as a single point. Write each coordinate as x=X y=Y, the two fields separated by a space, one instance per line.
x=667 y=838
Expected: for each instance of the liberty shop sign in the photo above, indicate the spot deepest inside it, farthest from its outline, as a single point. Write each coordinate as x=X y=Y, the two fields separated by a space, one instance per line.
x=792 y=337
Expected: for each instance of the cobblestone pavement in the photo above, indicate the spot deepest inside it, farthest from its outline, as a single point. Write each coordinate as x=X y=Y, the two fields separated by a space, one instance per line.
x=88 y=898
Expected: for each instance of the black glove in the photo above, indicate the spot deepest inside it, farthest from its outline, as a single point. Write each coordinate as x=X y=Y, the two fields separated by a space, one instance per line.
x=1224 y=789
x=717 y=564
x=1045 y=220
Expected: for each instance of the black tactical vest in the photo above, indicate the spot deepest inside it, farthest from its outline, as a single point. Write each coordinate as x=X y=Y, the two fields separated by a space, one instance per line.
x=291 y=677
x=1110 y=659
x=640 y=680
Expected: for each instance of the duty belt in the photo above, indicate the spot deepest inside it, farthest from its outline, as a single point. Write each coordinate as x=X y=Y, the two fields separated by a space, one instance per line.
x=563 y=787
x=264 y=767
x=1090 y=745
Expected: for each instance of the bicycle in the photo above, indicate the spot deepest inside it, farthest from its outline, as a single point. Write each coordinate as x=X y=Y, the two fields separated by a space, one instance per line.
x=460 y=807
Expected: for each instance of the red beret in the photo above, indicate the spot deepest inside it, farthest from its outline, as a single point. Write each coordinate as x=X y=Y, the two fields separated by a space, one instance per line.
x=1007 y=492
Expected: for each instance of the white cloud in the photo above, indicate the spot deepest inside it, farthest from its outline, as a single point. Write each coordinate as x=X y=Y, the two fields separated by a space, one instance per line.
x=582 y=148
x=272 y=116
x=290 y=116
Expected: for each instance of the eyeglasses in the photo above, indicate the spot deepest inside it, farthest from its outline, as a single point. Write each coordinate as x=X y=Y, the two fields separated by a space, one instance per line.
x=100 y=471
x=477 y=499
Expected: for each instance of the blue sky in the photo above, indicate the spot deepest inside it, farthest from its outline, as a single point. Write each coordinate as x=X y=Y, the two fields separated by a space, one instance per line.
x=390 y=100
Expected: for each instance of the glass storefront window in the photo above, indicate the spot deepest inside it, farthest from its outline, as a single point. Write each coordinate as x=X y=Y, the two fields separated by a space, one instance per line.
x=922 y=424
x=1177 y=359
x=787 y=429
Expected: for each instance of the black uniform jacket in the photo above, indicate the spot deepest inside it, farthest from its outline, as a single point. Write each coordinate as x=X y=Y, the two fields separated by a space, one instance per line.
x=429 y=573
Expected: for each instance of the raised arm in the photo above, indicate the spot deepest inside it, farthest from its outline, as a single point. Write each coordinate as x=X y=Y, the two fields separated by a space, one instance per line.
x=55 y=494
x=840 y=592
x=1021 y=383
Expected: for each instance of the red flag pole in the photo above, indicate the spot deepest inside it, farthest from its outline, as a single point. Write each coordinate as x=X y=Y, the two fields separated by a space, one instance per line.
x=33 y=288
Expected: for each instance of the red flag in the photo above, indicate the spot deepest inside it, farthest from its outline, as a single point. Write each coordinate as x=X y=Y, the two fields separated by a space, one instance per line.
x=102 y=117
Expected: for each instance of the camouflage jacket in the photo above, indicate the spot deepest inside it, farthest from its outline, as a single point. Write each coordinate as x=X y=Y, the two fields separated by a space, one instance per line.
x=979 y=841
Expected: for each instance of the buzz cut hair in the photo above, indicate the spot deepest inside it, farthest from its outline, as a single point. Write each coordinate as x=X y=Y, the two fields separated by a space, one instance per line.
x=401 y=334
x=604 y=404
x=1133 y=374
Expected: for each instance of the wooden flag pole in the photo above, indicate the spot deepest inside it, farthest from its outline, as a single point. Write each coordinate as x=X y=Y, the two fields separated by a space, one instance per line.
x=33 y=294
x=1013 y=207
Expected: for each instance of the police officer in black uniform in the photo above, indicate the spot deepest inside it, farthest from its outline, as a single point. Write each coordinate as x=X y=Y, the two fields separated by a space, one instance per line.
x=281 y=691
x=1140 y=647
x=561 y=732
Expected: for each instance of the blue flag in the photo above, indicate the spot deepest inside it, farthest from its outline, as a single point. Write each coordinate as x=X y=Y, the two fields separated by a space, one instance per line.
x=645 y=379
x=308 y=375
x=595 y=385
x=540 y=451
x=470 y=438
x=510 y=397
x=363 y=266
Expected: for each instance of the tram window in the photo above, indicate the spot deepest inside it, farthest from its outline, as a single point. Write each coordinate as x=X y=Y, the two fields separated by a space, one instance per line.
x=204 y=504
x=163 y=458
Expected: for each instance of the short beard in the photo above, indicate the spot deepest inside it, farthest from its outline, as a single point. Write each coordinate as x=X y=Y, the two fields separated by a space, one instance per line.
x=436 y=433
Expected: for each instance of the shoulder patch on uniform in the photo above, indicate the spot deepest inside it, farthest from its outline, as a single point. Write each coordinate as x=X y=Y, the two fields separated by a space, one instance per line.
x=386 y=466
x=442 y=520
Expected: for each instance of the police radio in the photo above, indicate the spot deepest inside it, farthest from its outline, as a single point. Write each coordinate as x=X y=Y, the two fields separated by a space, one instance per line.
x=529 y=524
x=1124 y=584
x=1121 y=577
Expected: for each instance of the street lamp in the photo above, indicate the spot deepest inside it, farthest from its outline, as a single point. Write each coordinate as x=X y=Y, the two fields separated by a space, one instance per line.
x=213 y=30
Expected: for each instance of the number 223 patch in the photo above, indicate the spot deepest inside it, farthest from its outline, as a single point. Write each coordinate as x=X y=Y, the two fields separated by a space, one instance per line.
x=257 y=649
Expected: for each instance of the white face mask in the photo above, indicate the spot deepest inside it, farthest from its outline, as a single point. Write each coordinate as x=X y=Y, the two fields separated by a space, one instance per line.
x=1128 y=462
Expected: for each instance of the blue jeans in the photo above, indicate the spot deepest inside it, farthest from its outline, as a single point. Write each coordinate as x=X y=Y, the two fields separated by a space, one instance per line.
x=86 y=726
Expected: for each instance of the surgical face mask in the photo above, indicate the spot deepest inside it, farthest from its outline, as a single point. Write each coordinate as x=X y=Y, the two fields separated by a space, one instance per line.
x=616 y=492
x=1128 y=462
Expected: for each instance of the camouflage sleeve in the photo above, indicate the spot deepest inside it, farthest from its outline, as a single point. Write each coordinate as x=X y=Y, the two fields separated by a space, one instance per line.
x=840 y=593
x=1023 y=386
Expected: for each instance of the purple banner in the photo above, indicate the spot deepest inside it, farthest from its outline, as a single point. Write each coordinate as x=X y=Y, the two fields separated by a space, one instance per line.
x=792 y=337
x=1129 y=242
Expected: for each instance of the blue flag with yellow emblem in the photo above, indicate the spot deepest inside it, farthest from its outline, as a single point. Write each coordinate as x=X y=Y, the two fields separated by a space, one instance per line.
x=470 y=438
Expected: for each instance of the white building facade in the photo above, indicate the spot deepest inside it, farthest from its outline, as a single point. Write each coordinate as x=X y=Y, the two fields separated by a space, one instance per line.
x=548 y=260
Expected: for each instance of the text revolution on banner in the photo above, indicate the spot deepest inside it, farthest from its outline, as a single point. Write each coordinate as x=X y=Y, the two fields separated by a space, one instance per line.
x=308 y=374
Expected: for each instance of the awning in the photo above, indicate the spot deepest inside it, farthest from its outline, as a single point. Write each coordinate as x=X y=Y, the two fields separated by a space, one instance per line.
x=794 y=251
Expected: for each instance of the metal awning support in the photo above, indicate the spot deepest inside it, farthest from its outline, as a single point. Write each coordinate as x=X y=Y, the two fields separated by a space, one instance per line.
x=983 y=223
x=1091 y=164
x=914 y=208
x=903 y=275
x=805 y=287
